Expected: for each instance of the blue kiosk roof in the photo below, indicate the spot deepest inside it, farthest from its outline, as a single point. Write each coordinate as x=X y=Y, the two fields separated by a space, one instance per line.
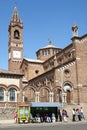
x=45 y=104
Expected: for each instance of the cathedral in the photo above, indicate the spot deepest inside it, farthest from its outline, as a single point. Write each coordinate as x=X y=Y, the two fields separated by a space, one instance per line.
x=56 y=75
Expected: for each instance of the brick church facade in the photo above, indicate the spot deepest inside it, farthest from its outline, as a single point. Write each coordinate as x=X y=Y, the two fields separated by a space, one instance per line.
x=57 y=75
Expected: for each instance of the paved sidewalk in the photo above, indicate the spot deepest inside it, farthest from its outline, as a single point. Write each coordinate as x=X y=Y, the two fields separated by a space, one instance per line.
x=11 y=122
x=7 y=121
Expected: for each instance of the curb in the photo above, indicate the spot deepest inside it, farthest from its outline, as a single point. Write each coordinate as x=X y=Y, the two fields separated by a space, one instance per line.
x=12 y=122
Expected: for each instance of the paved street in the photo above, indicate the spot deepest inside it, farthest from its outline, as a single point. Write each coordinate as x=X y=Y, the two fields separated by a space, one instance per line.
x=57 y=126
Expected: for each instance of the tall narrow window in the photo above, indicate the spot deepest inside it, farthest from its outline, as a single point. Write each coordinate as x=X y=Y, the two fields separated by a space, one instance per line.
x=1 y=94
x=43 y=53
x=12 y=94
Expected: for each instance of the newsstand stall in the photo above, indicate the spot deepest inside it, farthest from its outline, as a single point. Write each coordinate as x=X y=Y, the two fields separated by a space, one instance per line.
x=23 y=113
x=44 y=111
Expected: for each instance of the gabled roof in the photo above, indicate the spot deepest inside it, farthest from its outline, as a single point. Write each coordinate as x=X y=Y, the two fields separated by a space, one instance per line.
x=3 y=71
x=34 y=60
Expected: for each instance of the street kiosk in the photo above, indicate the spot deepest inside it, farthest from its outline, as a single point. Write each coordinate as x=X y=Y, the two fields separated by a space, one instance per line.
x=44 y=111
x=23 y=113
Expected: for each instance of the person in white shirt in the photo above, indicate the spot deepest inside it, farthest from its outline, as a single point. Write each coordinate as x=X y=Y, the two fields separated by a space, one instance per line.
x=73 y=114
x=81 y=113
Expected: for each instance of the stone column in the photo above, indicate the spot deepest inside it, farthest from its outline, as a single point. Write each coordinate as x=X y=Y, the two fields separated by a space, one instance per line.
x=16 y=95
x=64 y=97
x=51 y=96
x=37 y=96
x=6 y=96
x=23 y=96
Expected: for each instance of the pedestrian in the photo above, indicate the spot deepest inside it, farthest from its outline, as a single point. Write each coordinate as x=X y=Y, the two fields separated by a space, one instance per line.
x=82 y=114
x=64 y=115
x=59 y=116
x=76 y=116
x=73 y=114
x=15 y=116
x=79 y=114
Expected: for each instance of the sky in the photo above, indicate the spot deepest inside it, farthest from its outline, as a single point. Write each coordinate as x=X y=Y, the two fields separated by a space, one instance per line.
x=42 y=20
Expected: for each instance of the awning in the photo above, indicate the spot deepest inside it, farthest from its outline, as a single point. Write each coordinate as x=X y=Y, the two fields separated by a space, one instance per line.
x=45 y=104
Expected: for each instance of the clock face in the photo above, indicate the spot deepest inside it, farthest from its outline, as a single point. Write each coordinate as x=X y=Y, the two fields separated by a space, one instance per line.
x=16 y=54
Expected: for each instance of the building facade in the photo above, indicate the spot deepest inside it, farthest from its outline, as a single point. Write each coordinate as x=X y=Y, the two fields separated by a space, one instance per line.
x=56 y=75
x=60 y=76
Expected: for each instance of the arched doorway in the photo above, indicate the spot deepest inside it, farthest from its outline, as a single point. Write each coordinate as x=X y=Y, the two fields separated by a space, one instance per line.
x=67 y=89
x=68 y=97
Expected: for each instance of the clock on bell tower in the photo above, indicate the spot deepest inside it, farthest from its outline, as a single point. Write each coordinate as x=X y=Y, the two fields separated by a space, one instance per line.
x=15 y=44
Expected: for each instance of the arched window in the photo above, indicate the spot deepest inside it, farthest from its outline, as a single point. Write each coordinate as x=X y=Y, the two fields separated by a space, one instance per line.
x=67 y=72
x=12 y=94
x=1 y=94
x=16 y=34
x=67 y=86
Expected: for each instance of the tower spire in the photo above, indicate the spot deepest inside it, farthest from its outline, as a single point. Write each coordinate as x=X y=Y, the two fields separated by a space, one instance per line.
x=15 y=17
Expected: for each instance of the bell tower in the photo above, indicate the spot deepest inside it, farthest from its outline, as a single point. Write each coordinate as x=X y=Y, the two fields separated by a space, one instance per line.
x=15 y=43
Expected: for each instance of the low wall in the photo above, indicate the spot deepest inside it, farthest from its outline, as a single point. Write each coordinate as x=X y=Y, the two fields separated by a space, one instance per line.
x=7 y=113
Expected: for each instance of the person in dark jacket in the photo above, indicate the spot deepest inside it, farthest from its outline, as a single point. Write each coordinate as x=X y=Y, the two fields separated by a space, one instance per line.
x=59 y=116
